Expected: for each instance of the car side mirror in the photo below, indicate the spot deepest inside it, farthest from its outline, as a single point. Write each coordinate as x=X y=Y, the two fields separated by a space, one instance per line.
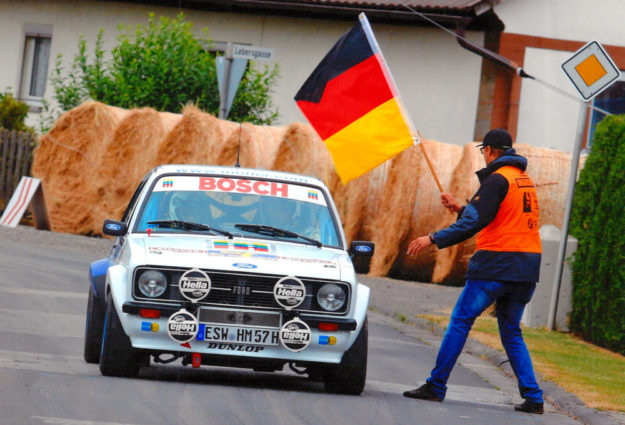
x=361 y=253
x=114 y=228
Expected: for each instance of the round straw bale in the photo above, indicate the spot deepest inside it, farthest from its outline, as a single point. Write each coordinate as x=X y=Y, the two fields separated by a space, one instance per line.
x=66 y=158
x=351 y=203
x=549 y=169
x=130 y=153
x=256 y=146
x=195 y=139
x=411 y=207
x=302 y=151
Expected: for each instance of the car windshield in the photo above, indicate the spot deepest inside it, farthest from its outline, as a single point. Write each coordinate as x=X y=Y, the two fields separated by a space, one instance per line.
x=229 y=204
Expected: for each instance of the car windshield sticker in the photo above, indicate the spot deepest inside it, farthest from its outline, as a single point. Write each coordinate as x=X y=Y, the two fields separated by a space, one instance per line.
x=244 y=186
x=295 y=335
x=182 y=326
x=242 y=246
x=194 y=285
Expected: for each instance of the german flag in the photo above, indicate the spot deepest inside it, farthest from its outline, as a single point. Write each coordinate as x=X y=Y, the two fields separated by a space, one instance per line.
x=352 y=103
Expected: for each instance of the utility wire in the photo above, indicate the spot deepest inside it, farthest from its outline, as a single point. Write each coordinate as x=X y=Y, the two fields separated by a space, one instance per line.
x=495 y=57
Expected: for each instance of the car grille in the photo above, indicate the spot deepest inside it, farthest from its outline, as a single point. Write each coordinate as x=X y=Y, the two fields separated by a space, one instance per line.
x=240 y=290
x=238 y=317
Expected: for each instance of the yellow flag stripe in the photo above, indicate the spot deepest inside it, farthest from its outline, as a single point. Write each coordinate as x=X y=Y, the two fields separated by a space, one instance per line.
x=369 y=141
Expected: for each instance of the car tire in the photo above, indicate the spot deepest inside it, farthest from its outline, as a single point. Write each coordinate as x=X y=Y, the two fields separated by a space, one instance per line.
x=94 y=325
x=117 y=357
x=350 y=375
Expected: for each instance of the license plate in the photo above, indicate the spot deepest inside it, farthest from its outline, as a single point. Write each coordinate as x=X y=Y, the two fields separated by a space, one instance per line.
x=240 y=334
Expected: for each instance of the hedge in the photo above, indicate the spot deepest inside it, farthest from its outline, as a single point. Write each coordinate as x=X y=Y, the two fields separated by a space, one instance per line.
x=598 y=222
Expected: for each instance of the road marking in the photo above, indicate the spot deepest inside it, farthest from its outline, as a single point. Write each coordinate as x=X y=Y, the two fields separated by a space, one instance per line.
x=389 y=341
x=42 y=323
x=66 y=421
x=40 y=362
x=44 y=293
x=454 y=392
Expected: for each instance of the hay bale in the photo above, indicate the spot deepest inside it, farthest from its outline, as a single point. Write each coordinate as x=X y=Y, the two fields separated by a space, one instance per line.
x=549 y=169
x=131 y=153
x=410 y=207
x=66 y=159
x=255 y=145
x=196 y=138
x=302 y=151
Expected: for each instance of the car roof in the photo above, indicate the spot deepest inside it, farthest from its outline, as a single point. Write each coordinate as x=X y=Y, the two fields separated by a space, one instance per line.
x=235 y=172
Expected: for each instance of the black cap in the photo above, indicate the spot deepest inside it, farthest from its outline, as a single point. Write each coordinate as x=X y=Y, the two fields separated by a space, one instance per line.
x=498 y=139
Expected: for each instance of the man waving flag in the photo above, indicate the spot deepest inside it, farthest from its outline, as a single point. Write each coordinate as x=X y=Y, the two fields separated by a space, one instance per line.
x=351 y=101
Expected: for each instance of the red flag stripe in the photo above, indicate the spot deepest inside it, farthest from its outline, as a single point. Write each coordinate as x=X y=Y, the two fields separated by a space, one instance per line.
x=348 y=97
x=18 y=205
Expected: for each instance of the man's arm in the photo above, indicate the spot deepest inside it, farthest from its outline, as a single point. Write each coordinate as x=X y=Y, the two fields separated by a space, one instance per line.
x=478 y=214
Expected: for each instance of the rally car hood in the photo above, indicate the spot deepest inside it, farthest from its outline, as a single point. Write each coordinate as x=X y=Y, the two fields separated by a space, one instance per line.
x=240 y=255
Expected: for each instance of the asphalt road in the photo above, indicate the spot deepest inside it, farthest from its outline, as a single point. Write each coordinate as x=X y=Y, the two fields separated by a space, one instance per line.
x=44 y=380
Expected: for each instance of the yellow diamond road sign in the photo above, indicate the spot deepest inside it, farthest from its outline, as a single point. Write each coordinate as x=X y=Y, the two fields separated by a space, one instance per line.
x=591 y=70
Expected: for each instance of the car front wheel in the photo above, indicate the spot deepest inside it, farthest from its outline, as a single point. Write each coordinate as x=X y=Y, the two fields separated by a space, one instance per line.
x=117 y=357
x=350 y=375
x=93 y=329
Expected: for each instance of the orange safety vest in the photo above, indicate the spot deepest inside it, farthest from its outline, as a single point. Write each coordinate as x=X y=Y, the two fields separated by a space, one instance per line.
x=515 y=227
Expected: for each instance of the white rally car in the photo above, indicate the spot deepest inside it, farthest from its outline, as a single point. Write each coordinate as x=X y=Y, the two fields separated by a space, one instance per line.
x=232 y=267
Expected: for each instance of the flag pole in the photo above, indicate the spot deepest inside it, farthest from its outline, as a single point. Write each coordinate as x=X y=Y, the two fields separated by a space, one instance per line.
x=427 y=159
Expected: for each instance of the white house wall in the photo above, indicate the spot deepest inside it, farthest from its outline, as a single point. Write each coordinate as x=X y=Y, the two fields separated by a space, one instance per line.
x=437 y=79
x=547 y=118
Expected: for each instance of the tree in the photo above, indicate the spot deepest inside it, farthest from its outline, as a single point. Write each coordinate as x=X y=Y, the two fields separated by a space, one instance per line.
x=13 y=113
x=597 y=221
x=162 y=65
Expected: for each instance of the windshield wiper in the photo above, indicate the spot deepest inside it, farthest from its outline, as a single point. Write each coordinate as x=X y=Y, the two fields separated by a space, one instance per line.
x=188 y=225
x=261 y=229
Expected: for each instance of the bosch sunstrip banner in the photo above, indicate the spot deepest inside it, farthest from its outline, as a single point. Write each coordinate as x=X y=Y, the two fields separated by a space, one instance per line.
x=242 y=186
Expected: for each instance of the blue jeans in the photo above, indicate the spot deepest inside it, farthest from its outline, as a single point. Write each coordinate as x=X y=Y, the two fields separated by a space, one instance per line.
x=477 y=295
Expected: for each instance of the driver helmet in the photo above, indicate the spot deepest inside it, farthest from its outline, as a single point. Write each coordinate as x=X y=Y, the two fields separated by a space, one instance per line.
x=189 y=206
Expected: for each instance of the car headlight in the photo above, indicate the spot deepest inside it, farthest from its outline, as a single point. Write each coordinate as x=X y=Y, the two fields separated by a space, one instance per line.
x=152 y=283
x=331 y=297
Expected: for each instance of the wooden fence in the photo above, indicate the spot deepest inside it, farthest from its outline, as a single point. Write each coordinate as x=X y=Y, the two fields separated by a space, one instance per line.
x=16 y=157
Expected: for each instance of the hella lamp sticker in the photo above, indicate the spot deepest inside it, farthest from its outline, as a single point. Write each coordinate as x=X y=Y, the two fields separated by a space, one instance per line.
x=182 y=326
x=289 y=292
x=295 y=335
x=194 y=285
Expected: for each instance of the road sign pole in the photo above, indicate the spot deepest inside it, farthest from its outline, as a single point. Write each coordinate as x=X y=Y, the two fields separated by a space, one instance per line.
x=223 y=93
x=555 y=293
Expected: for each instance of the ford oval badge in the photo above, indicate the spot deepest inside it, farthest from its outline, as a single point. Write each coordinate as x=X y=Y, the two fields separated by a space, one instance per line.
x=363 y=248
x=245 y=265
x=113 y=226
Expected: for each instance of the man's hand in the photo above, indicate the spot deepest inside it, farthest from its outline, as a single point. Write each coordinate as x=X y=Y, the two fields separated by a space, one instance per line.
x=450 y=202
x=418 y=244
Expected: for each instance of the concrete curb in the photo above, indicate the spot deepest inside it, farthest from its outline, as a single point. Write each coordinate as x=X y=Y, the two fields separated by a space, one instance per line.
x=561 y=399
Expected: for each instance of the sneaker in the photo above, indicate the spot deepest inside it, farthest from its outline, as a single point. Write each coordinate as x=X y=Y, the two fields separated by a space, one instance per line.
x=529 y=407
x=424 y=392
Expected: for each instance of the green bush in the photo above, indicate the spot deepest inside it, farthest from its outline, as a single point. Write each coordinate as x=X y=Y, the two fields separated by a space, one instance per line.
x=598 y=222
x=13 y=113
x=162 y=65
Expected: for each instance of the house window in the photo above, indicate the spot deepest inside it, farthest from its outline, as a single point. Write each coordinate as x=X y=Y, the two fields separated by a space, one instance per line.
x=35 y=64
x=612 y=100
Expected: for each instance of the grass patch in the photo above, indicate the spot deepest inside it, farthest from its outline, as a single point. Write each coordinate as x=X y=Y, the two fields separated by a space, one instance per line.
x=594 y=374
